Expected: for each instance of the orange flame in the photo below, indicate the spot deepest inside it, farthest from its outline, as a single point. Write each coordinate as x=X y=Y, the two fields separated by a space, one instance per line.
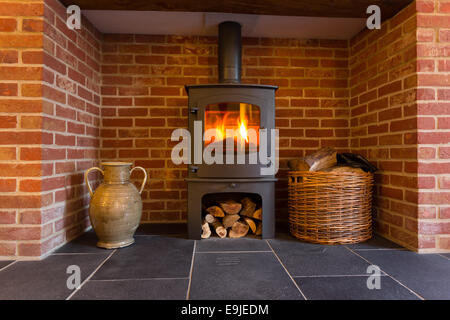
x=243 y=131
x=238 y=120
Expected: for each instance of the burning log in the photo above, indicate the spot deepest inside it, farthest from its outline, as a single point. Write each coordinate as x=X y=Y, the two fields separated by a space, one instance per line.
x=248 y=207
x=239 y=229
x=230 y=206
x=206 y=230
x=230 y=219
x=216 y=211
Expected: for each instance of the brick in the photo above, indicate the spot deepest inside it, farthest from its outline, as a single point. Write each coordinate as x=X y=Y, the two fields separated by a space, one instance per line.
x=117 y=122
x=32 y=25
x=431 y=228
x=7 y=185
x=20 y=73
x=21 y=9
x=21 y=202
x=433 y=137
x=21 y=41
x=434 y=80
x=403 y=125
x=8 y=121
x=390 y=88
x=8 y=25
x=7 y=153
x=31 y=90
x=9 y=56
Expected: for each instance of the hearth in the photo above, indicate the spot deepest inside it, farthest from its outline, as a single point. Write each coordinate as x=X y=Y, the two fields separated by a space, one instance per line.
x=247 y=109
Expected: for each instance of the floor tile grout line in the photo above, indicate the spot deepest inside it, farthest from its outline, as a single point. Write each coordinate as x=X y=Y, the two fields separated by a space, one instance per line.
x=286 y=270
x=338 y=276
x=8 y=265
x=76 y=253
x=267 y=251
x=443 y=256
x=91 y=275
x=379 y=249
x=137 y=279
x=160 y=235
x=400 y=283
x=188 y=292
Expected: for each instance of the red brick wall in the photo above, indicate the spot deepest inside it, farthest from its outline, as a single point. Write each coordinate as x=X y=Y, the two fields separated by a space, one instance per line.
x=20 y=42
x=49 y=128
x=433 y=109
x=143 y=101
x=383 y=88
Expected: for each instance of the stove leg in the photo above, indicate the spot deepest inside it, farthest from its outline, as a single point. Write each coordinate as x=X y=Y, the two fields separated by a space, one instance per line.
x=268 y=214
x=194 y=214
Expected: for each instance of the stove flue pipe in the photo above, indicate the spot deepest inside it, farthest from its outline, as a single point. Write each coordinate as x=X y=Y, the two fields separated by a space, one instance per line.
x=230 y=51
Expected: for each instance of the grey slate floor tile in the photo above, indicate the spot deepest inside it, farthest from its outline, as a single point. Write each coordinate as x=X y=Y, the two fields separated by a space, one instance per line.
x=241 y=276
x=352 y=288
x=86 y=243
x=45 y=279
x=426 y=274
x=215 y=244
x=307 y=259
x=149 y=257
x=150 y=229
x=143 y=289
x=376 y=243
x=4 y=264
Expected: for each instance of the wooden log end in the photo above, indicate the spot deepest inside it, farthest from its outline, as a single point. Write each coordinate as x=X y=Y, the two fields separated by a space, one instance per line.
x=206 y=230
x=216 y=211
x=230 y=206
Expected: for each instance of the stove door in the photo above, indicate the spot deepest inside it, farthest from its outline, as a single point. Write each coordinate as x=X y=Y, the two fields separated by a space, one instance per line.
x=244 y=115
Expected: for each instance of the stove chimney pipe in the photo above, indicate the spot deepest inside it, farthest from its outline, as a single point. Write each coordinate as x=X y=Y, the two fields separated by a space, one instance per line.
x=230 y=47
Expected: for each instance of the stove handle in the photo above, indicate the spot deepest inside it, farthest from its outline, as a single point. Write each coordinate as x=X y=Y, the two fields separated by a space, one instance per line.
x=194 y=169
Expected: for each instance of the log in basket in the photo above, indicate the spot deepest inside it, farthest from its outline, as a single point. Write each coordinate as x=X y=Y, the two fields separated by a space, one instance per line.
x=330 y=208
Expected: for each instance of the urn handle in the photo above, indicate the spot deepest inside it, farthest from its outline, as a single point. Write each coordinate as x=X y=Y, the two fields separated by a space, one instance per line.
x=87 y=180
x=145 y=177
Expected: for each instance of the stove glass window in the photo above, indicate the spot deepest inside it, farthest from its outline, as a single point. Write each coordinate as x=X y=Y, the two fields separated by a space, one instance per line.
x=242 y=118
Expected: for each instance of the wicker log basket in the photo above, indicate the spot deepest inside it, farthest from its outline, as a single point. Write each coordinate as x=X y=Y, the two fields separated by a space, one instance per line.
x=330 y=207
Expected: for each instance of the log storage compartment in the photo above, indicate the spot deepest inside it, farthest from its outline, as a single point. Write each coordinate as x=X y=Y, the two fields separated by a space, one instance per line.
x=330 y=207
x=232 y=215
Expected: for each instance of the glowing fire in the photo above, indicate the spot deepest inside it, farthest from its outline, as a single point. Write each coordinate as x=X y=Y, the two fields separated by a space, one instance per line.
x=243 y=131
x=240 y=120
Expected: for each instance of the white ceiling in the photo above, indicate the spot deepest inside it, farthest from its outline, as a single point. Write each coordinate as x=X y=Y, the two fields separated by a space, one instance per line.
x=198 y=23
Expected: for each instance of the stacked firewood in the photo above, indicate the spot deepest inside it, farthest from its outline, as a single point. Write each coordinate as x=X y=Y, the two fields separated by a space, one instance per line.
x=324 y=159
x=233 y=219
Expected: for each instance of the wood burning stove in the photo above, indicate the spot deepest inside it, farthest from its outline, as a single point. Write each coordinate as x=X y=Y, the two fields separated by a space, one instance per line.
x=248 y=110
